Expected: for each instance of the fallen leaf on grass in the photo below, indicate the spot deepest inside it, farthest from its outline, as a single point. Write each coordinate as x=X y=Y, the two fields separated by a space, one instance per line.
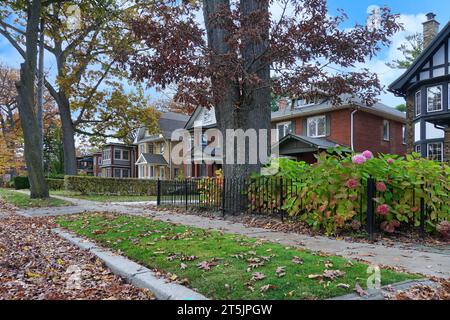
x=183 y=266
x=280 y=272
x=256 y=276
x=266 y=288
x=297 y=260
x=343 y=285
x=206 y=265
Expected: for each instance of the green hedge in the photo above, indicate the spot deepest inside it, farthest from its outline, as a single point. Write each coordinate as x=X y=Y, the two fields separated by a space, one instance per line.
x=55 y=184
x=110 y=186
x=21 y=183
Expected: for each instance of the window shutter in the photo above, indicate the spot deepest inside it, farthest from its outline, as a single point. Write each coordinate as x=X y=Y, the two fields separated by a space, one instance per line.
x=304 y=127
x=328 y=124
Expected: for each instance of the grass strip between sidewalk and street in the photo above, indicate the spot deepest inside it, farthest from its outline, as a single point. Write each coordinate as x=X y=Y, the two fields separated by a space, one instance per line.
x=226 y=266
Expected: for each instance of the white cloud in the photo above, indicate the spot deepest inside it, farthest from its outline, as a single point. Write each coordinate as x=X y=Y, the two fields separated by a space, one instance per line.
x=412 y=24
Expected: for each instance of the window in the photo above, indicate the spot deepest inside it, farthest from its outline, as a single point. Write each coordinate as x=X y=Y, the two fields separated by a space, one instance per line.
x=202 y=170
x=118 y=154
x=106 y=154
x=403 y=134
x=418 y=149
x=162 y=174
x=176 y=173
x=305 y=102
x=418 y=103
x=151 y=171
x=434 y=99
x=386 y=134
x=161 y=148
x=142 y=148
x=188 y=170
x=125 y=173
x=317 y=127
x=125 y=155
x=141 y=171
x=284 y=129
x=435 y=151
x=117 y=173
x=151 y=148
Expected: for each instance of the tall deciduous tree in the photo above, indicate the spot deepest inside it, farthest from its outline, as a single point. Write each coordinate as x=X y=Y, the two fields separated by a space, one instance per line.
x=226 y=62
x=411 y=49
x=81 y=36
x=27 y=104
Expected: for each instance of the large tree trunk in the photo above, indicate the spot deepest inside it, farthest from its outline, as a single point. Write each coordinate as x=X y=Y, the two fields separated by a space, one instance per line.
x=247 y=107
x=26 y=104
x=68 y=135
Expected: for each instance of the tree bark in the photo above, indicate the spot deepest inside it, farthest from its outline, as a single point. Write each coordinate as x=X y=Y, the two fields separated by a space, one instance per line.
x=248 y=108
x=26 y=105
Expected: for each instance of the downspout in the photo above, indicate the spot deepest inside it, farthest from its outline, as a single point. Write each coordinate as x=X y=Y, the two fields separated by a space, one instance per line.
x=352 y=130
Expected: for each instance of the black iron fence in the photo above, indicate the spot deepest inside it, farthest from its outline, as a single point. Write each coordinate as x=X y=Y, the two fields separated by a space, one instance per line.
x=267 y=195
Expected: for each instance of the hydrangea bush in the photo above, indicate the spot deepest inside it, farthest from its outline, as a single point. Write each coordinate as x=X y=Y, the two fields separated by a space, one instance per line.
x=331 y=194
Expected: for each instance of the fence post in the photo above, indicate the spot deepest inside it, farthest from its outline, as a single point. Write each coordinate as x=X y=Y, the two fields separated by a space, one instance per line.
x=370 y=224
x=223 y=197
x=422 y=217
x=158 y=193
x=281 y=199
x=186 y=192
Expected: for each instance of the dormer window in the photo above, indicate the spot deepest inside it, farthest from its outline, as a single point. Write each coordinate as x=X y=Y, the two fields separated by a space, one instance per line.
x=300 y=103
x=434 y=98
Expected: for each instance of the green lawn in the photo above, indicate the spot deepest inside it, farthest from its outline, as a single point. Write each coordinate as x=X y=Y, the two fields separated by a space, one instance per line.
x=22 y=200
x=187 y=252
x=102 y=198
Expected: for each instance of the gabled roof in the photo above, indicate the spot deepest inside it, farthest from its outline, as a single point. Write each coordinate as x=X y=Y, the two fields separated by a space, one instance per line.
x=399 y=86
x=195 y=120
x=326 y=106
x=147 y=158
x=318 y=143
x=168 y=122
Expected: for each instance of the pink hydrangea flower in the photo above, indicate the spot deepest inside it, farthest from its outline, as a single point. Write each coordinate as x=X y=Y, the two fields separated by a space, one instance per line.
x=367 y=154
x=390 y=161
x=352 y=184
x=359 y=159
x=381 y=187
x=383 y=209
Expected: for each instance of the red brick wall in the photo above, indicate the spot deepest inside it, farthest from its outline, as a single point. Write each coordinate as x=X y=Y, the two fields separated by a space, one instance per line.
x=369 y=134
x=340 y=127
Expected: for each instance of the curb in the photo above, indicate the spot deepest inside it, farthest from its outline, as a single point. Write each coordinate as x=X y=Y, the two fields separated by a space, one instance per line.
x=133 y=272
x=378 y=294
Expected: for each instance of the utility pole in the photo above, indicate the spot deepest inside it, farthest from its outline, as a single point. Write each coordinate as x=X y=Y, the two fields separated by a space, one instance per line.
x=40 y=91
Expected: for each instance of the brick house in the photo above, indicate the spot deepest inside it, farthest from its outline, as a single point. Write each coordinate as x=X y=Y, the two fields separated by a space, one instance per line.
x=97 y=164
x=307 y=127
x=154 y=159
x=118 y=161
x=426 y=85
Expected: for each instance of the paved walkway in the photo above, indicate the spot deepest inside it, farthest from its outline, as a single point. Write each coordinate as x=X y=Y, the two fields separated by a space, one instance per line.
x=425 y=260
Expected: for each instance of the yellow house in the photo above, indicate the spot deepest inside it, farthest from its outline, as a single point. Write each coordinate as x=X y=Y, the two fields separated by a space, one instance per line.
x=154 y=159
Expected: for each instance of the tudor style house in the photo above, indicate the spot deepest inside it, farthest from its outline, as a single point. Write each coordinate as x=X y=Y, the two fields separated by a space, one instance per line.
x=305 y=127
x=426 y=86
x=154 y=150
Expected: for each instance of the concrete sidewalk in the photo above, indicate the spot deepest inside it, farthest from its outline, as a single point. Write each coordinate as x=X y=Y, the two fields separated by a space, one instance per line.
x=429 y=261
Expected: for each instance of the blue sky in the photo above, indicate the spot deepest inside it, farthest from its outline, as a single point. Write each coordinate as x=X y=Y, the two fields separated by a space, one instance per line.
x=412 y=14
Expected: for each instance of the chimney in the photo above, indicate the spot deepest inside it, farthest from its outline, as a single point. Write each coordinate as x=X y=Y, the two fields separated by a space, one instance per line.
x=282 y=104
x=430 y=29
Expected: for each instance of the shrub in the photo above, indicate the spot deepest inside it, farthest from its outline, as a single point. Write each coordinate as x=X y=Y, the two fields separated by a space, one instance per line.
x=21 y=183
x=55 y=184
x=444 y=229
x=109 y=186
x=331 y=194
